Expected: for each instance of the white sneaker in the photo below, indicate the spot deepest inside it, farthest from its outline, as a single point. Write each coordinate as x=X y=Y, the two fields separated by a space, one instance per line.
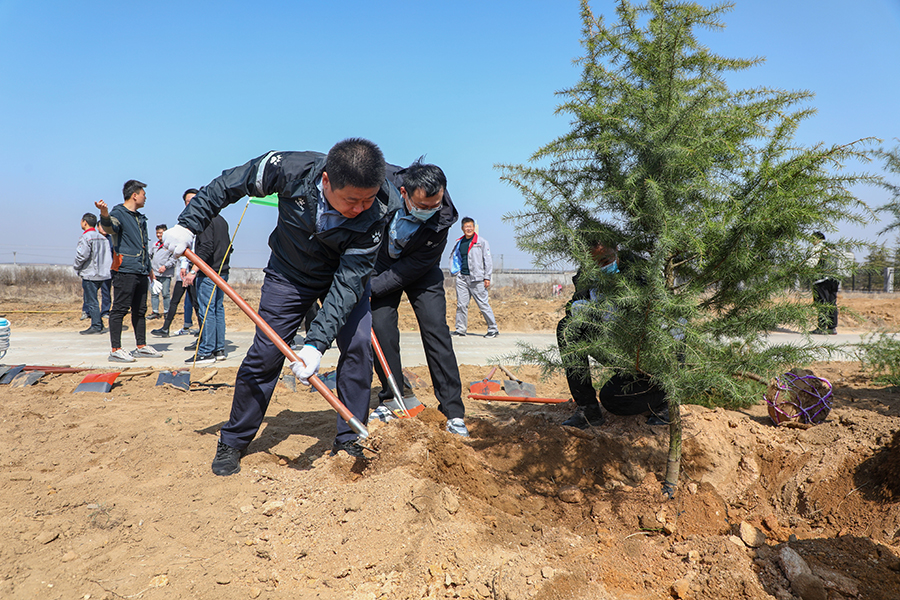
x=182 y=331
x=382 y=413
x=457 y=426
x=121 y=355
x=146 y=352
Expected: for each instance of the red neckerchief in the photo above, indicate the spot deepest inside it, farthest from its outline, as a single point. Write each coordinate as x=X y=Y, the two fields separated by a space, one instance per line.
x=88 y=229
x=159 y=244
x=471 y=243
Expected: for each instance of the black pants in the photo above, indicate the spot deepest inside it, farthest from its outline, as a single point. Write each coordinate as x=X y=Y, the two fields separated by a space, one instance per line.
x=621 y=395
x=129 y=293
x=283 y=305
x=825 y=298
x=426 y=295
x=175 y=300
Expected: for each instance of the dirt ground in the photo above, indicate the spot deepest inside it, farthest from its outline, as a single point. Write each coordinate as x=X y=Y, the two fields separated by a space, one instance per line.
x=111 y=496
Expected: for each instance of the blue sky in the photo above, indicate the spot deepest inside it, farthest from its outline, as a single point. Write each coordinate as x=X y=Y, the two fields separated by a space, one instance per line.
x=95 y=93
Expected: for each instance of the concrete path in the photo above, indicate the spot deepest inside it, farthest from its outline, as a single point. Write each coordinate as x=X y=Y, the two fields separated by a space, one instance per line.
x=92 y=351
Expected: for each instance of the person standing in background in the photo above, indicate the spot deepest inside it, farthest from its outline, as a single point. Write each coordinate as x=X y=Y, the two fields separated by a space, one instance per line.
x=93 y=260
x=471 y=262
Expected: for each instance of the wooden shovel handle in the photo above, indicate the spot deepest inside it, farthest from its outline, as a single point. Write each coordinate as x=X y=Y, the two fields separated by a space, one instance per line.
x=509 y=374
x=266 y=329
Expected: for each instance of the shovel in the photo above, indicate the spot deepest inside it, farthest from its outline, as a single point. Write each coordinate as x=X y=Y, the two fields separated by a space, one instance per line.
x=518 y=399
x=267 y=330
x=516 y=387
x=10 y=373
x=486 y=385
x=178 y=379
x=26 y=378
x=97 y=382
x=402 y=407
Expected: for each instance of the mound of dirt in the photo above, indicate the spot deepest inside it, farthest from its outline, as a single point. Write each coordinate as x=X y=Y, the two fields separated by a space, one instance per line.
x=111 y=496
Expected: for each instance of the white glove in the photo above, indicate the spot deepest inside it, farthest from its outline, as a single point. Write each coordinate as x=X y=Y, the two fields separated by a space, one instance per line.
x=308 y=365
x=156 y=284
x=177 y=239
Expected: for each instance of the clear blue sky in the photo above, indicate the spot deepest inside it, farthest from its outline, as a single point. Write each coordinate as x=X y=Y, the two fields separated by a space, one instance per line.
x=172 y=93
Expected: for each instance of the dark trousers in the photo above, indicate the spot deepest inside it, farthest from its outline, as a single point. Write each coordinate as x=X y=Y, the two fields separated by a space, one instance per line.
x=105 y=287
x=89 y=291
x=426 y=295
x=620 y=395
x=825 y=298
x=105 y=297
x=177 y=293
x=129 y=292
x=283 y=305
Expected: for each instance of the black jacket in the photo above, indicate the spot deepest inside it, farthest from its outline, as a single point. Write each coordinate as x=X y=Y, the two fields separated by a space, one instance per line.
x=423 y=250
x=212 y=244
x=129 y=238
x=337 y=262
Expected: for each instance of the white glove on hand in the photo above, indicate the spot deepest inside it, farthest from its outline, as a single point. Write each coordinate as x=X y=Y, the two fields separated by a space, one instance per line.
x=177 y=239
x=308 y=365
x=156 y=284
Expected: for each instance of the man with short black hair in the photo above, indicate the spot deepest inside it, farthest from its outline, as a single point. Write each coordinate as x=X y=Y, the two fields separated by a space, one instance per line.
x=471 y=262
x=128 y=229
x=409 y=261
x=93 y=260
x=331 y=213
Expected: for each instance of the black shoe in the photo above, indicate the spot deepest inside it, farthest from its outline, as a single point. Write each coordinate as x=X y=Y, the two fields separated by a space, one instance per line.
x=492 y=334
x=161 y=332
x=351 y=447
x=153 y=316
x=202 y=359
x=832 y=331
x=220 y=355
x=458 y=333
x=191 y=347
x=660 y=417
x=818 y=332
x=91 y=331
x=584 y=418
x=227 y=460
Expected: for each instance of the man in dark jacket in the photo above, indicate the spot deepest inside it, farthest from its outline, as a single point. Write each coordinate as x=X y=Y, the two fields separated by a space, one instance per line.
x=408 y=261
x=622 y=394
x=331 y=212
x=213 y=247
x=132 y=277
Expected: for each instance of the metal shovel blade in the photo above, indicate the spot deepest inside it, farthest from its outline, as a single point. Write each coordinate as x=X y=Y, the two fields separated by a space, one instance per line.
x=412 y=404
x=179 y=379
x=516 y=387
x=26 y=378
x=486 y=385
x=97 y=382
x=10 y=374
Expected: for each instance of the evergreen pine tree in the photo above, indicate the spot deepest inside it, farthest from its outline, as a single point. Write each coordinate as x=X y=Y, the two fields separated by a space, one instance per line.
x=706 y=184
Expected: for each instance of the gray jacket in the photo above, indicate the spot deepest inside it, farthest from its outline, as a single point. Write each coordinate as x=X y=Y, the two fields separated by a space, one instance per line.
x=93 y=257
x=160 y=257
x=481 y=266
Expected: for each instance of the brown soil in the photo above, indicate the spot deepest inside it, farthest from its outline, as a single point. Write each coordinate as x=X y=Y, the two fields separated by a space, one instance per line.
x=111 y=496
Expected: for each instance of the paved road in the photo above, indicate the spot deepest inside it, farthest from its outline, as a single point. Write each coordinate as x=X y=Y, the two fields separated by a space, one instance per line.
x=91 y=351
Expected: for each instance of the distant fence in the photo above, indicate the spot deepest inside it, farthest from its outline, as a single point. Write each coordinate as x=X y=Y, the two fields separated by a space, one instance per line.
x=872 y=280
x=34 y=274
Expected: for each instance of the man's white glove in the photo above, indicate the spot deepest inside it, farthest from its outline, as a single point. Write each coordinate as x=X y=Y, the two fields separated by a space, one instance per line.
x=177 y=239
x=308 y=365
x=156 y=284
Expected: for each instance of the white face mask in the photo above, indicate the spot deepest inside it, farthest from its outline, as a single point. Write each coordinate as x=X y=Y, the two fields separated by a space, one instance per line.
x=421 y=214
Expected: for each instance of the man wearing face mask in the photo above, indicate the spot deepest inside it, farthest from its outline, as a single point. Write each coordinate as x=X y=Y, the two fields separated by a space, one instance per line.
x=621 y=394
x=408 y=261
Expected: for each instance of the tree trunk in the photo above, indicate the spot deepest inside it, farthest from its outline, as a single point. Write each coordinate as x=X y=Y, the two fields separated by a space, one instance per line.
x=673 y=465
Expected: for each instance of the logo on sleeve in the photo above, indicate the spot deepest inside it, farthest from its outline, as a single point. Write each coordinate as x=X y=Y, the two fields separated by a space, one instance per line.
x=376 y=237
x=276 y=159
